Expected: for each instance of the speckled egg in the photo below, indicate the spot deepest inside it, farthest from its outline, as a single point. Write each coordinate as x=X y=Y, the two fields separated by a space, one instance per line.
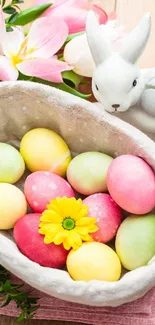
x=13 y=205
x=108 y=216
x=41 y=187
x=135 y=241
x=43 y=149
x=131 y=183
x=94 y=261
x=31 y=243
x=87 y=172
x=12 y=165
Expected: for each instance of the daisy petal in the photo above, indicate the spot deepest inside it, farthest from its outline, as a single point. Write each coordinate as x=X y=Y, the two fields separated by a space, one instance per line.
x=7 y=71
x=49 y=69
x=85 y=221
x=60 y=237
x=87 y=238
x=46 y=37
x=51 y=216
x=47 y=239
x=74 y=239
x=49 y=228
x=66 y=244
x=81 y=230
x=92 y=228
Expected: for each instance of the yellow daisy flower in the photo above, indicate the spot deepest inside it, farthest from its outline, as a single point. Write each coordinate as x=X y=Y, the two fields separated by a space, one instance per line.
x=65 y=222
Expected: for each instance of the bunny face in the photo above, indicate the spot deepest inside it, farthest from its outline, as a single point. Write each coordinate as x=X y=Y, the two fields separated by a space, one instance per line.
x=117 y=84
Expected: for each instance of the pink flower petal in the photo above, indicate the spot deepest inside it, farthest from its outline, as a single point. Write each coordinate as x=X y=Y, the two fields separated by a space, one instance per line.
x=13 y=41
x=103 y=18
x=46 y=37
x=7 y=71
x=73 y=12
x=10 y=42
x=83 y=4
x=74 y=18
x=45 y=69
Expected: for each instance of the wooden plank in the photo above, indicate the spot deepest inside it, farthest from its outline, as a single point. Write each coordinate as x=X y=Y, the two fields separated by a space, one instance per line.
x=129 y=13
x=11 y=321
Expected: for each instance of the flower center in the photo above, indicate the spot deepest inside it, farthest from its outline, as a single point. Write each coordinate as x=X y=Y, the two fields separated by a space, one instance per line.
x=68 y=223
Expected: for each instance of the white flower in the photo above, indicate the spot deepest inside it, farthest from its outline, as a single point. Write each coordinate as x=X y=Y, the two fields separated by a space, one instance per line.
x=77 y=52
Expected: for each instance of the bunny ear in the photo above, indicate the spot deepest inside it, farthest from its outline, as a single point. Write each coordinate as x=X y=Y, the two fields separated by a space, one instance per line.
x=136 y=41
x=99 y=48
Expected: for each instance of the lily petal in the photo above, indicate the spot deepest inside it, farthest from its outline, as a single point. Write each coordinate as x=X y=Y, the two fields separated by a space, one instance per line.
x=103 y=17
x=75 y=18
x=13 y=42
x=49 y=69
x=10 y=42
x=7 y=71
x=77 y=54
x=46 y=37
x=2 y=30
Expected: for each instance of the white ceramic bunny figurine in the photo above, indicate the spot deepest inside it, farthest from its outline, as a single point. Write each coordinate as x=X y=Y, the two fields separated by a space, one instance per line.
x=118 y=84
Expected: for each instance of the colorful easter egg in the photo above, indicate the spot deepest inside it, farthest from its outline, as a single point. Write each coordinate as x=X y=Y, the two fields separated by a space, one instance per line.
x=107 y=213
x=131 y=183
x=94 y=261
x=31 y=243
x=13 y=205
x=135 y=241
x=43 y=149
x=41 y=187
x=87 y=172
x=12 y=165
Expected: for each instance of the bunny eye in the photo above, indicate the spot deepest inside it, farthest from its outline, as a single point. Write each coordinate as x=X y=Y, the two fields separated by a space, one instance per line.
x=96 y=87
x=134 y=83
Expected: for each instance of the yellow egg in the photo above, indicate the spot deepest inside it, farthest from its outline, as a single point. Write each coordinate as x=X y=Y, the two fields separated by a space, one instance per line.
x=12 y=205
x=94 y=261
x=43 y=149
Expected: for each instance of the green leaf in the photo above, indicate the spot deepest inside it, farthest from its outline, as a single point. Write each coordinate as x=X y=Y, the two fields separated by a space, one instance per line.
x=71 y=36
x=61 y=86
x=9 y=29
x=14 y=2
x=27 y=16
x=13 y=18
x=21 y=317
x=71 y=76
x=64 y=87
x=9 y=10
x=7 y=285
x=32 y=309
x=68 y=89
x=32 y=300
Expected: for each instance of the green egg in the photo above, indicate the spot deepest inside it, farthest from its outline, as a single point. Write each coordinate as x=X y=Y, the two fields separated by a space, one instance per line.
x=135 y=241
x=87 y=172
x=12 y=165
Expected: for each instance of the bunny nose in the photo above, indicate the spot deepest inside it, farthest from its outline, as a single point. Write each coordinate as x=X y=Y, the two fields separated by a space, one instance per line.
x=116 y=106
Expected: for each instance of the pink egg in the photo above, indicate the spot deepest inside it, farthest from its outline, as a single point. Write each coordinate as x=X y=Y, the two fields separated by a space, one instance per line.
x=108 y=216
x=31 y=243
x=131 y=183
x=41 y=187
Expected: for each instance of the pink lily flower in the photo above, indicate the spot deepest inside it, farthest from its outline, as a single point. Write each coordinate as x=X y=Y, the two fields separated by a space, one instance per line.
x=74 y=12
x=33 y=55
